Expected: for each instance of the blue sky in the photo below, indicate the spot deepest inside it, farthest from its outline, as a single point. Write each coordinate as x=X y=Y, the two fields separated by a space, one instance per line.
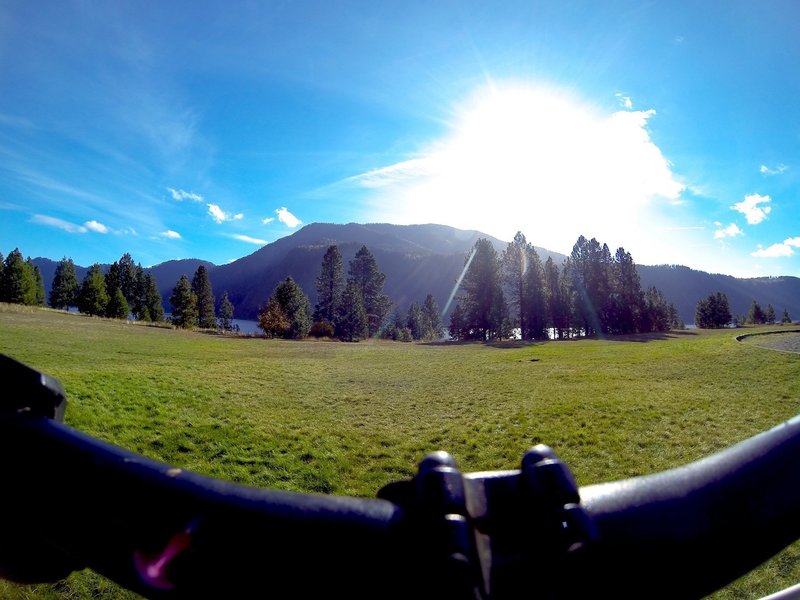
x=206 y=129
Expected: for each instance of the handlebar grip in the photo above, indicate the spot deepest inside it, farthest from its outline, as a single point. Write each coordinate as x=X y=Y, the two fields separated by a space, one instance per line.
x=79 y=502
x=691 y=530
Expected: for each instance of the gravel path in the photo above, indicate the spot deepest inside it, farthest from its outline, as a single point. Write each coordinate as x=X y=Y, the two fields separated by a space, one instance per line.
x=787 y=341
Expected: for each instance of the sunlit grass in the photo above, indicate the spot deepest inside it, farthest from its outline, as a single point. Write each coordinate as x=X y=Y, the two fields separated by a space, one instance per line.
x=319 y=416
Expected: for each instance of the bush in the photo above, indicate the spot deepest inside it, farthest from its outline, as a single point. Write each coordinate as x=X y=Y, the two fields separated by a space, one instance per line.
x=322 y=329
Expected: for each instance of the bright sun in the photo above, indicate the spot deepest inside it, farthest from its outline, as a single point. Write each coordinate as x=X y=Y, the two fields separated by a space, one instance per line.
x=536 y=160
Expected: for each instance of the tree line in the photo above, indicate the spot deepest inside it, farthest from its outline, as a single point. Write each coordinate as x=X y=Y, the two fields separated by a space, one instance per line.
x=124 y=290
x=193 y=304
x=593 y=292
x=501 y=295
x=714 y=312
x=349 y=308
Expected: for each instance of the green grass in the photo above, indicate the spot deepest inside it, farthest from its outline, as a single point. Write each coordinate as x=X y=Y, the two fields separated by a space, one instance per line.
x=320 y=416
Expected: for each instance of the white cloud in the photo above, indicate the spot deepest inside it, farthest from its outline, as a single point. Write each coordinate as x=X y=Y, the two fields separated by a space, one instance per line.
x=750 y=208
x=170 y=234
x=625 y=101
x=220 y=216
x=731 y=230
x=786 y=248
x=95 y=226
x=248 y=239
x=180 y=195
x=287 y=218
x=778 y=170
x=267 y=220
x=521 y=159
x=58 y=223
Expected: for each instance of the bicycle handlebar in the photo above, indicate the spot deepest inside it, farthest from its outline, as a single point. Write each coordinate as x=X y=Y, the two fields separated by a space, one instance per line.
x=163 y=532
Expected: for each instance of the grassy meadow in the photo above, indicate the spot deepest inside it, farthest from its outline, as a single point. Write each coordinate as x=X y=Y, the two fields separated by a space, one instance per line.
x=321 y=416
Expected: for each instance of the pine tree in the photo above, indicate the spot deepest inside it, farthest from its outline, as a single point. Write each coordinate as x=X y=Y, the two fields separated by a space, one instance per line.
x=65 y=285
x=225 y=313
x=93 y=297
x=713 y=311
x=457 y=325
x=365 y=274
x=536 y=306
x=37 y=297
x=515 y=267
x=201 y=286
x=153 y=309
x=786 y=318
x=19 y=280
x=294 y=304
x=434 y=316
x=117 y=307
x=352 y=321
x=626 y=294
x=588 y=269
x=184 y=304
x=769 y=316
x=330 y=285
x=755 y=315
x=481 y=292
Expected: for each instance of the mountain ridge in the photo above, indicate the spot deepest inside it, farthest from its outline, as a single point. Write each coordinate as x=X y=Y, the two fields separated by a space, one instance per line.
x=422 y=259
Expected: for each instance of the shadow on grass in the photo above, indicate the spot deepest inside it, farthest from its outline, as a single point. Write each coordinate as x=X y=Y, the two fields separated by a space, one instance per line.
x=512 y=344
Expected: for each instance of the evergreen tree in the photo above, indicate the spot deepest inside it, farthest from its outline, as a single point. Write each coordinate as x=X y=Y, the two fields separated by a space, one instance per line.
x=457 y=323
x=294 y=304
x=626 y=294
x=19 y=280
x=38 y=285
x=117 y=307
x=555 y=304
x=272 y=320
x=184 y=304
x=515 y=267
x=153 y=309
x=93 y=297
x=713 y=311
x=417 y=321
x=365 y=274
x=481 y=292
x=786 y=318
x=201 y=286
x=65 y=285
x=225 y=313
x=434 y=316
x=352 y=320
x=536 y=311
x=769 y=316
x=589 y=265
x=330 y=285
x=755 y=315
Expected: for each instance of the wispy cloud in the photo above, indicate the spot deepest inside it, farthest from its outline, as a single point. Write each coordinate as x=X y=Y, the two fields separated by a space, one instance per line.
x=287 y=218
x=267 y=220
x=170 y=234
x=248 y=239
x=778 y=170
x=58 y=224
x=181 y=195
x=220 y=216
x=96 y=227
x=92 y=225
x=750 y=208
x=783 y=249
x=624 y=101
x=731 y=230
